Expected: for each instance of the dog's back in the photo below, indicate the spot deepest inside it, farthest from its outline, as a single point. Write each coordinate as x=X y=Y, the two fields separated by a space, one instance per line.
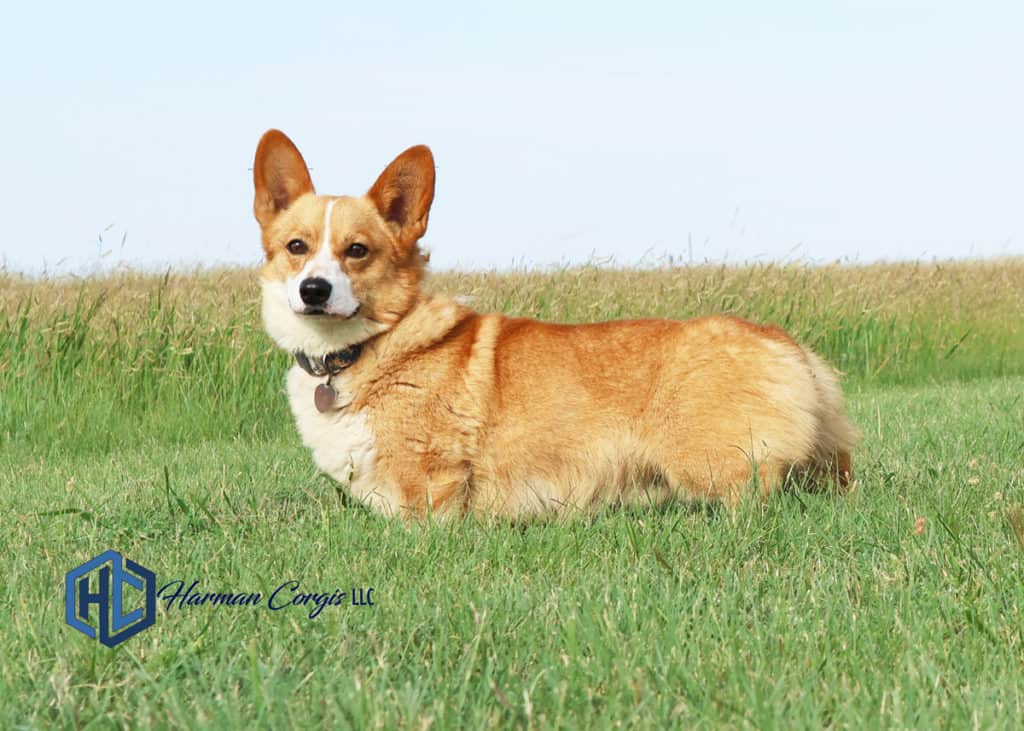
x=699 y=408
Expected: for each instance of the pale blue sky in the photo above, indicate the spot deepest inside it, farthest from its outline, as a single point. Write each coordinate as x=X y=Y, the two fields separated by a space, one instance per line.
x=723 y=131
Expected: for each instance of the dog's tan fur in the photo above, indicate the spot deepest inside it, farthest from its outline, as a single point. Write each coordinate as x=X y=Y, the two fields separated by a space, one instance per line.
x=450 y=412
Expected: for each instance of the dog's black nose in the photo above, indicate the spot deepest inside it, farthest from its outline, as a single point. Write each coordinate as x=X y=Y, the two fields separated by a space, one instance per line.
x=315 y=290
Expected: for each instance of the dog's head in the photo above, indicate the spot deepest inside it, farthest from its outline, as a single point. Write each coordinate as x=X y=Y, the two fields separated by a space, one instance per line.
x=338 y=270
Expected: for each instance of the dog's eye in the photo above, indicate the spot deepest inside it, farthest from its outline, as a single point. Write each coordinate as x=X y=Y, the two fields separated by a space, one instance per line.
x=356 y=251
x=297 y=247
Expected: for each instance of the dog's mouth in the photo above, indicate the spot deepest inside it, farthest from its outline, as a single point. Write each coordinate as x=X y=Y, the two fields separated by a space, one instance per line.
x=317 y=311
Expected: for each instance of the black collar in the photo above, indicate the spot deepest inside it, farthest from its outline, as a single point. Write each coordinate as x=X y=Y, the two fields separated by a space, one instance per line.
x=331 y=364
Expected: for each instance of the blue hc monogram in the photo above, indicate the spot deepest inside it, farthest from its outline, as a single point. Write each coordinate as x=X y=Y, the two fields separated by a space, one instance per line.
x=78 y=597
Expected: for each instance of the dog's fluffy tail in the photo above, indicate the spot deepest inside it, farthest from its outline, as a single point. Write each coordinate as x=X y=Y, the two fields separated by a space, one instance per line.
x=836 y=436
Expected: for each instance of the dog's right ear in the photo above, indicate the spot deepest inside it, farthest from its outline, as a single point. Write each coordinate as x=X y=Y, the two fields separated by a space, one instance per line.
x=280 y=175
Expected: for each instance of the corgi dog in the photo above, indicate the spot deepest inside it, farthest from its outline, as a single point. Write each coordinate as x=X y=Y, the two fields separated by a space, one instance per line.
x=421 y=406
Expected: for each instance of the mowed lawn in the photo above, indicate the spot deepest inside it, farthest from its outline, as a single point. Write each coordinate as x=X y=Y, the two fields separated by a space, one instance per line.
x=146 y=415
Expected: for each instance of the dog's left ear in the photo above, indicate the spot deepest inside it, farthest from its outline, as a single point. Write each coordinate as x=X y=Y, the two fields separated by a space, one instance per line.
x=403 y=194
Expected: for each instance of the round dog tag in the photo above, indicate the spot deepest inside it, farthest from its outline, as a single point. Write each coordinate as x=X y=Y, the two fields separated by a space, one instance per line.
x=324 y=397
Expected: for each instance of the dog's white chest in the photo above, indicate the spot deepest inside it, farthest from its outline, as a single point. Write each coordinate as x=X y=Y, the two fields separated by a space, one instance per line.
x=341 y=440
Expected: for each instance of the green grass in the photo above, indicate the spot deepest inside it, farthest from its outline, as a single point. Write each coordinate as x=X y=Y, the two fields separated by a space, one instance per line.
x=146 y=415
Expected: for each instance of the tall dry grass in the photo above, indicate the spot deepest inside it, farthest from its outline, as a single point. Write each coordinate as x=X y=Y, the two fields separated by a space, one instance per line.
x=89 y=363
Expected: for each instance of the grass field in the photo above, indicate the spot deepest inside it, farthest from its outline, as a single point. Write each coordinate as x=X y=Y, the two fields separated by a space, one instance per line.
x=146 y=414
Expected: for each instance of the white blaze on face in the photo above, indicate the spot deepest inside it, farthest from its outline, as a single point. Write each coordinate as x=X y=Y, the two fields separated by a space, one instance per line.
x=323 y=265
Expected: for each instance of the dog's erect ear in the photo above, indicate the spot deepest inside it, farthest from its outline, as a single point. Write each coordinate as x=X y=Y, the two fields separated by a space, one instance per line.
x=403 y=193
x=280 y=175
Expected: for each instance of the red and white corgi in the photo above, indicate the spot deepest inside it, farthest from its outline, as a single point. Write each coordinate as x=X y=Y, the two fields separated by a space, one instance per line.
x=422 y=406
